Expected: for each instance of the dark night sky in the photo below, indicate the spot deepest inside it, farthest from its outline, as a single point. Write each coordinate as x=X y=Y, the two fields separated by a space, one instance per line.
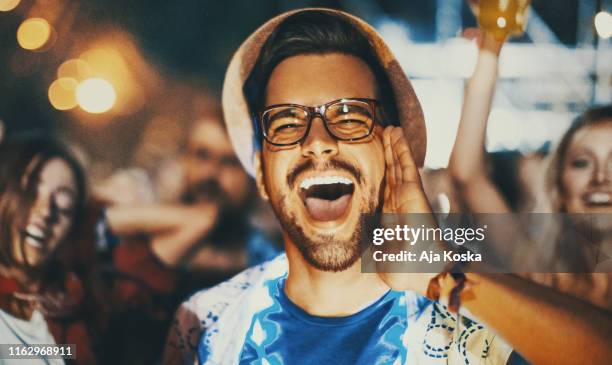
x=194 y=39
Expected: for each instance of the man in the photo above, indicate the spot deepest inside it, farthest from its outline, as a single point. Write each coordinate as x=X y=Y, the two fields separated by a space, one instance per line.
x=206 y=229
x=326 y=96
x=168 y=250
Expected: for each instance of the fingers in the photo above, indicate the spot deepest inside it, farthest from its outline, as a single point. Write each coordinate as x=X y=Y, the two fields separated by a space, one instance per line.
x=389 y=159
x=405 y=167
x=391 y=173
x=388 y=203
x=389 y=170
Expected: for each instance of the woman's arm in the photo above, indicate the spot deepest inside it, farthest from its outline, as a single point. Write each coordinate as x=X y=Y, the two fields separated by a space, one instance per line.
x=467 y=162
x=544 y=326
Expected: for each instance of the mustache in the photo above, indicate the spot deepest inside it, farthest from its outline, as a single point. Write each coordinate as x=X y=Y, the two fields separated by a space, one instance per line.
x=331 y=164
x=209 y=188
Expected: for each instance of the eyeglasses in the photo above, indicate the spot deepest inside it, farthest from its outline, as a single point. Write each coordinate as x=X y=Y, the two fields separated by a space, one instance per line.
x=345 y=119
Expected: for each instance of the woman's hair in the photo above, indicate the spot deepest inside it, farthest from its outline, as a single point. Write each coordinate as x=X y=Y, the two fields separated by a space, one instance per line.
x=554 y=187
x=315 y=33
x=22 y=159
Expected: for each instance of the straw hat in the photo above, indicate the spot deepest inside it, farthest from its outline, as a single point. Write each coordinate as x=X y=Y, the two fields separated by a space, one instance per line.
x=235 y=106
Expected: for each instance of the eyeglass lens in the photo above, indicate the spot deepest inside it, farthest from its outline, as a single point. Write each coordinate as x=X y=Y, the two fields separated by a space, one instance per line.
x=345 y=120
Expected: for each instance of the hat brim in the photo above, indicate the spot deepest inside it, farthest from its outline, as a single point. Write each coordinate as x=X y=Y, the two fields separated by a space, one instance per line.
x=235 y=107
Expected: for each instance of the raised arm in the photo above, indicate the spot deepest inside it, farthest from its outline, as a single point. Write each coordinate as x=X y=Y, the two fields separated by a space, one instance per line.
x=174 y=229
x=467 y=162
x=544 y=326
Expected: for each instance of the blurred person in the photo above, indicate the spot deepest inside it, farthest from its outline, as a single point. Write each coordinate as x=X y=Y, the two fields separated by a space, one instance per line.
x=214 y=174
x=341 y=133
x=46 y=297
x=578 y=181
x=54 y=289
x=209 y=228
x=196 y=241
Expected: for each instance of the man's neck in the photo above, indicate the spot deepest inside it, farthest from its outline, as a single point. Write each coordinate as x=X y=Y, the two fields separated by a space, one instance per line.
x=330 y=294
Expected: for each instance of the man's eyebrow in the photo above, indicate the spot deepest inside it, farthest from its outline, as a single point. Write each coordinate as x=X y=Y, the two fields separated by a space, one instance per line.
x=288 y=112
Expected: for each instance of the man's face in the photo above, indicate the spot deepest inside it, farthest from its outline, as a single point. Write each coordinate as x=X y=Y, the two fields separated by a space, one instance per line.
x=319 y=188
x=213 y=172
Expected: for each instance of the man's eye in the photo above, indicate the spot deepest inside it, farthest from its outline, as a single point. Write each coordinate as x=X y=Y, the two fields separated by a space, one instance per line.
x=287 y=127
x=351 y=122
x=202 y=154
x=230 y=161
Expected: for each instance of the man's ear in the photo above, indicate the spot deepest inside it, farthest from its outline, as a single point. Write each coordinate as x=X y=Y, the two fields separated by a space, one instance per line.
x=257 y=166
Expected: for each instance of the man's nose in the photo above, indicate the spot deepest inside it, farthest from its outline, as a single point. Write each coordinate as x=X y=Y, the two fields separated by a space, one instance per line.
x=319 y=143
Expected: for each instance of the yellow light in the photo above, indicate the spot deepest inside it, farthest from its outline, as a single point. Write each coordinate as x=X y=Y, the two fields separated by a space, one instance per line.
x=8 y=5
x=33 y=33
x=62 y=93
x=96 y=95
x=501 y=22
x=75 y=68
x=603 y=24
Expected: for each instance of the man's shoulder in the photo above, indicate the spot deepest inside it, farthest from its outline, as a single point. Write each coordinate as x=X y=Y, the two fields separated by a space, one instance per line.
x=207 y=308
x=210 y=302
x=435 y=335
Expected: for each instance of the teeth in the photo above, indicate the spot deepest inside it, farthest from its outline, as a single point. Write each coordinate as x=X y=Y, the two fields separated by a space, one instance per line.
x=324 y=180
x=33 y=242
x=598 y=198
x=34 y=231
x=34 y=236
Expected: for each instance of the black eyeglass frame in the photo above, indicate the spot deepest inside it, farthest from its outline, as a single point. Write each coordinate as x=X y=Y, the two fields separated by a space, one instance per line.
x=320 y=110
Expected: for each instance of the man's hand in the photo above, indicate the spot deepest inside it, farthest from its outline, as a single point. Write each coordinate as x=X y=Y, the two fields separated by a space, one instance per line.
x=405 y=204
x=403 y=189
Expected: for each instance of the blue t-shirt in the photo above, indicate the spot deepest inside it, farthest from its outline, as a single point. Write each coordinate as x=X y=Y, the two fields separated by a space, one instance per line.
x=285 y=334
x=250 y=320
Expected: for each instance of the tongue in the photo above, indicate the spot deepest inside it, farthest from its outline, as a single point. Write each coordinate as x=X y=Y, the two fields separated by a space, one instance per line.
x=327 y=210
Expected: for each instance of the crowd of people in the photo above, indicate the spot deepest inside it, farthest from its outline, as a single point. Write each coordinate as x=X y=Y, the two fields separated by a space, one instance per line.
x=320 y=124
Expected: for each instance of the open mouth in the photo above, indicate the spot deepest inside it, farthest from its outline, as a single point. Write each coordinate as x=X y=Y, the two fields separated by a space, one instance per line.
x=326 y=198
x=34 y=238
x=598 y=199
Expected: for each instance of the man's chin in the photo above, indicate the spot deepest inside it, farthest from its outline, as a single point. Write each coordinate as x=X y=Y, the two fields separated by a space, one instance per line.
x=330 y=254
x=328 y=247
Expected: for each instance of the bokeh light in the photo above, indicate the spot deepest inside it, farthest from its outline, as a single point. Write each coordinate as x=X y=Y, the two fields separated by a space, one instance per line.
x=74 y=68
x=62 y=93
x=96 y=95
x=33 y=33
x=107 y=60
x=603 y=24
x=8 y=5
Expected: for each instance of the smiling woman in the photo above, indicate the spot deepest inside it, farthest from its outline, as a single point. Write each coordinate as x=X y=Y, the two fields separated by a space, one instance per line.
x=42 y=198
x=42 y=188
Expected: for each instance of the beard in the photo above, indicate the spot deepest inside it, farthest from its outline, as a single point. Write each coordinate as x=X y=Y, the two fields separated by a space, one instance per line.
x=326 y=252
